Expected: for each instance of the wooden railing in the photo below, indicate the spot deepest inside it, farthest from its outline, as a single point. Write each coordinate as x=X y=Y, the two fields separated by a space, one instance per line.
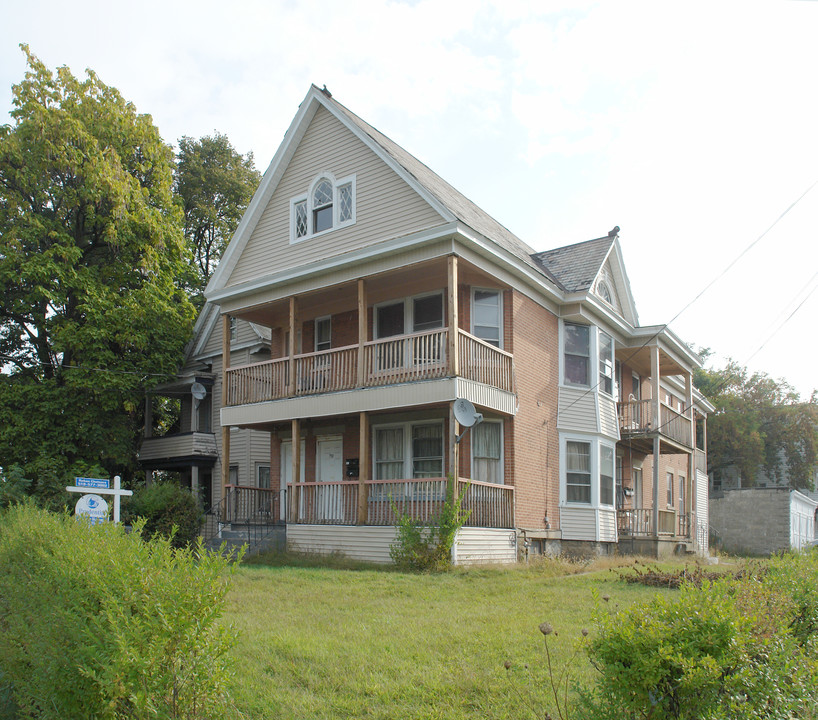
x=421 y=499
x=405 y=358
x=488 y=504
x=638 y=522
x=484 y=363
x=420 y=356
x=636 y=418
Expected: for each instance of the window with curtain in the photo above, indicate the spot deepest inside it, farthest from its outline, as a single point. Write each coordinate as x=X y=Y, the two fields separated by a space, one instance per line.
x=389 y=452
x=487 y=444
x=606 y=475
x=427 y=451
x=578 y=472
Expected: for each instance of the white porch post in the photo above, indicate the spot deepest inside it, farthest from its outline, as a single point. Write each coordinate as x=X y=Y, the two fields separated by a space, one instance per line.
x=656 y=422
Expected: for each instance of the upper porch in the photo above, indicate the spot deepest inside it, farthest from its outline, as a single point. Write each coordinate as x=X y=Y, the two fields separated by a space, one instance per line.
x=443 y=323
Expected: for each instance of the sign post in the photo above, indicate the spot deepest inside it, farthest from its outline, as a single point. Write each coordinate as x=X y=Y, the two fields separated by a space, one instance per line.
x=91 y=504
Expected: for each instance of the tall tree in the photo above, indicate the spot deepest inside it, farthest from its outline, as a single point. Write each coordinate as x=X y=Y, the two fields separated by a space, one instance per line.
x=91 y=256
x=759 y=424
x=215 y=184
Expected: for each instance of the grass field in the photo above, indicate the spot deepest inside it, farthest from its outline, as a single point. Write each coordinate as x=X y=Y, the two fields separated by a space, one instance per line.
x=369 y=643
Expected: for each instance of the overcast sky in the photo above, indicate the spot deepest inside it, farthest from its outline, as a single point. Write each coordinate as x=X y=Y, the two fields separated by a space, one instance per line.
x=691 y=125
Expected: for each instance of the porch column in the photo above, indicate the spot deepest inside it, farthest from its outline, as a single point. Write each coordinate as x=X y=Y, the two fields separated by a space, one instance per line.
x=363 y=468
x=296 y=475
x=362 y=334
x=656 y=422
x=194 y=482
x=691 y=458
x=148 y=416
x=454 y=361
x=454 y=446
x=225 y=397
x=291 y=385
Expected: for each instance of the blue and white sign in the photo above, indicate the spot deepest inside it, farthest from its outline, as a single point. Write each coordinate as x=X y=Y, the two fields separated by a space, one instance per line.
x=96 y=483
x=93 y=507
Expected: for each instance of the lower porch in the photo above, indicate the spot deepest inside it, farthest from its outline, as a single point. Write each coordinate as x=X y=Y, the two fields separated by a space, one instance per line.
x=643 y=531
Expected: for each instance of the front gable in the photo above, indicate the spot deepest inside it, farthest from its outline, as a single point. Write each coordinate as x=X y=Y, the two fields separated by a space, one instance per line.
x=612 y=288
x=322 y=145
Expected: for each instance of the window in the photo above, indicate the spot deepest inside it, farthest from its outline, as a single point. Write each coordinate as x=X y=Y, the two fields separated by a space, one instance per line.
x=606 y=475
x=578 y=472
x=487 y=316
x=411 y=315
x=323 y=333
x=487 y=452
x=682 y=508
x=604 y=292
x=577 y=354
x=234 y=475
x=329 y=204
x=669 y=482
x=620 y=475
x=411 y=450
x=637 y=387
x=606 y=363
x=427 y=313
x=234 y=329
x=263 y=476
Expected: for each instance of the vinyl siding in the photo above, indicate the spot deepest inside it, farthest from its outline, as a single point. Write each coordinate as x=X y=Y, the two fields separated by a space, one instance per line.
x=367 y=543
x=607 y=525
x=578 y=523
x=386 y=207
x=608 y=421
x=577 y=410
x=484 y=545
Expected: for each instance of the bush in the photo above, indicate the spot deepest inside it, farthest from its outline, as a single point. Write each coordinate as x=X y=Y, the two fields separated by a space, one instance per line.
x=427 y=546
x=98 y=623
x=167 y=509
x=734 y=648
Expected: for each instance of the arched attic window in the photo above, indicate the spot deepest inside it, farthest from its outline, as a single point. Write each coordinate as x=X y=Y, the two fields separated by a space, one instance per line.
x=604 y=292
x=328 y=205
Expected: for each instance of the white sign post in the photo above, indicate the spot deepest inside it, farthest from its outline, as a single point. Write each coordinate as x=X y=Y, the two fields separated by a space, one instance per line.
x=91 y=504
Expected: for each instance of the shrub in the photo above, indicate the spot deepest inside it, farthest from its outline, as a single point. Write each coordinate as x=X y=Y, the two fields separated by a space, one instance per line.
x=98 y=623
x=167 y=509
x=427 y=546
x=740 y=647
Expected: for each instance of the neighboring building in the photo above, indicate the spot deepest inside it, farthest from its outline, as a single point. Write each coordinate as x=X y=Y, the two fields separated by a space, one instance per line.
x=192 y=447
x=387 y=295
x=763 y=521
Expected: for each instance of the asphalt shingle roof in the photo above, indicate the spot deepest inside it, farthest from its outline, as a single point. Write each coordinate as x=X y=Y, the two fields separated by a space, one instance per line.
x=576 y=266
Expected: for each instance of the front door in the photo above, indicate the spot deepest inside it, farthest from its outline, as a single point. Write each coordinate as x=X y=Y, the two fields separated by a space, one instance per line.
x=287 y=475
x=330 y=469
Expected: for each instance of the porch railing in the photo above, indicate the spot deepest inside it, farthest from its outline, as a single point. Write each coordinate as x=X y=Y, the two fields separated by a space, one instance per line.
x=405 y=358
x=638 y=522
x=637 y=417
x=244 y=508
x=336 y=503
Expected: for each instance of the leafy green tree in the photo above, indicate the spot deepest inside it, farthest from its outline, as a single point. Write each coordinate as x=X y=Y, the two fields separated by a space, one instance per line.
x=759 y=423
x=92 y=257
x=215 y=184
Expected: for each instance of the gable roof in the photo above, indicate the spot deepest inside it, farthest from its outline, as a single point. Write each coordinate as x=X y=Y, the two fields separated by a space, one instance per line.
x=577 y=266
x=449 y=202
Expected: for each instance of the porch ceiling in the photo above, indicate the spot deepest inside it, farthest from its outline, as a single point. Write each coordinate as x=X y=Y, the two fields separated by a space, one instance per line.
x=638 y=358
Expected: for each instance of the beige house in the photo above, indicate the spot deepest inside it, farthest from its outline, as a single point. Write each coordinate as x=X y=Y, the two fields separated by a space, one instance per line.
x=387 y=300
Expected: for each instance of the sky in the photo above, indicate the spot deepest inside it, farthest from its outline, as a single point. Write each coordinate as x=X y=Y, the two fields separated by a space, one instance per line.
x=693 y=126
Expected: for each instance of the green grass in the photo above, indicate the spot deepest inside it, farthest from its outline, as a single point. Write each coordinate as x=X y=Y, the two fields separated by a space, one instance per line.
x=319 y=642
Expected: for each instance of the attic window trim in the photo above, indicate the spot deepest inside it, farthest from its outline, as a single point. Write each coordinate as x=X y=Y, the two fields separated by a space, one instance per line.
x=303 y=208
x=603 y=290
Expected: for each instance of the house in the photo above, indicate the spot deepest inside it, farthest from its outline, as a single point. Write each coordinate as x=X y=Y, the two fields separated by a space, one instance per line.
x=190 y=449
x=387 y=296
x=764 y=520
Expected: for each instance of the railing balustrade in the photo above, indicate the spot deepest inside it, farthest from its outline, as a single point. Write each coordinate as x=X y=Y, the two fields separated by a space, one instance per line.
x=636 y=522
x=404 y=358
x=636 y=417
x=420 y=499
x=323 y=503
x=488 y=504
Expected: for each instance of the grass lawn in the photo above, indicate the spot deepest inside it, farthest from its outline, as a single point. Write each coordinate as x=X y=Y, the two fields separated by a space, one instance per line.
x=368 y=643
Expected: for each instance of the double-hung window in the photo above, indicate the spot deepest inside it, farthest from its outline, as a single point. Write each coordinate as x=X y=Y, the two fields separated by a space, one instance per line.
x=606 y=363
x=487 y=452
x=487 y=316
x=606 y=475
x=577 y=354
x=410 y=450
x=578 y=472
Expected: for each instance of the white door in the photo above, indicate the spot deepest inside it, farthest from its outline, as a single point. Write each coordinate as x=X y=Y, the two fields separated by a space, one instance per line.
x=287 y=474
x=330 y=469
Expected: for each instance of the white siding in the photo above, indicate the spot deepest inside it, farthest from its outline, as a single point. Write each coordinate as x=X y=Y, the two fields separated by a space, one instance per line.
x=386 y=207
x=608 y=420
x=702 y=512
x=485 y=545
x=607 y=525
x=365 y=542
x=578 y=523
x=577 y=410
x=802 y=520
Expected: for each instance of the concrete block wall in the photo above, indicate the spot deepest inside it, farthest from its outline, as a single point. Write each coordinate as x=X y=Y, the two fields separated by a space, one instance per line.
x=754 y=521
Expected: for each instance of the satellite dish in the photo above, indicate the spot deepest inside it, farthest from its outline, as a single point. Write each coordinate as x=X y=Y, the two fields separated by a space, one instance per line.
x=198 y=391
x=466 y=415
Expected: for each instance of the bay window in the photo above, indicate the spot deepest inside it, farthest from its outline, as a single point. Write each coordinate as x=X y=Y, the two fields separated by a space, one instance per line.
x=578 y=472
x=588 y=472
x=606 y=363
x=577 y=354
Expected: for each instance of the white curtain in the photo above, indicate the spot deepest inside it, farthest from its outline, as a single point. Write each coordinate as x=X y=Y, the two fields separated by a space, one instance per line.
x=487 y=441
x=389 y=453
